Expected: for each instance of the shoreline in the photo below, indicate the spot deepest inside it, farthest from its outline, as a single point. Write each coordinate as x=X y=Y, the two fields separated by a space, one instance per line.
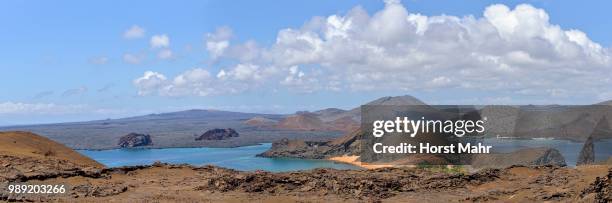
x=354 y=160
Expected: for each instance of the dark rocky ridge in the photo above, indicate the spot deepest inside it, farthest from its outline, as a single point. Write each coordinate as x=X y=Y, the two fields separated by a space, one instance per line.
x=135 y=140
x=345 y=145
x=587 y=154
x=218 y=134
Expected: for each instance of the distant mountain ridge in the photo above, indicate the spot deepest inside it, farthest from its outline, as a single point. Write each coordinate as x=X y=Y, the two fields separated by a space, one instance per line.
x=338 y=119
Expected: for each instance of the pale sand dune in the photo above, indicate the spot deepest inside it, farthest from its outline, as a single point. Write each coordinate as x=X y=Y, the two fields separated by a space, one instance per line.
x=354 y=160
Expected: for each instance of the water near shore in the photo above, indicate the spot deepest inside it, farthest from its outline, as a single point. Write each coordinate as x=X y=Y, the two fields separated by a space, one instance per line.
x=243 y=158
x=239 y=158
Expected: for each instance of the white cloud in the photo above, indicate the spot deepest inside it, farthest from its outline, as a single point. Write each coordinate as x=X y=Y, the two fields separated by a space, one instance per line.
x=133 y=58
x=134 y=32
x=508 y=50
x=192 y=82
x=150 y=83
x=242 y=72
x=218 y=42
x=160 y=41
x=298 y=80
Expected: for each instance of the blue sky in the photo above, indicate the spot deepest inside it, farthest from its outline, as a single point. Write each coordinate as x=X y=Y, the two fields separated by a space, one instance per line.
x=75 y=60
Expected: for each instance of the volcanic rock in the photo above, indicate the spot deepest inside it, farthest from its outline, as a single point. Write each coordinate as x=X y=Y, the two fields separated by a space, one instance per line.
x=587 y=154
x=218 y=134
x=135 y=140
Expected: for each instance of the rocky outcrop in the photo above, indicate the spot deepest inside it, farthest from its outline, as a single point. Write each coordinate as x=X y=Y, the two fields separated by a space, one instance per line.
x=345 y=145
x=527 y=157
x=135 y=140
x=587 y=154
x=600 y=190
x=218 y=134
x=297 y=149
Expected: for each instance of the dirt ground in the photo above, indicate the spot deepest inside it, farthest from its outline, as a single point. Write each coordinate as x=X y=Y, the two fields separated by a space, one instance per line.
x=31 y=160
x=184 y=183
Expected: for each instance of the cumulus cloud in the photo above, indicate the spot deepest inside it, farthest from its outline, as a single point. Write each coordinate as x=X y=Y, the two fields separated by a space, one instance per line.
x=242 y=72
x=200 y=82
x=508 y=50
x=150 y=82
x=298 y=80
x=218 y=42
x=134 y=32
x=160 y=41
x=196 y=81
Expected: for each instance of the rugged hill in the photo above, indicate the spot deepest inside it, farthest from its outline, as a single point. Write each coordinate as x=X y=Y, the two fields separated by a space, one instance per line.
x=25 y=156
x=259 y=121
x=338 y=119
x=302 y=121
x=329 y=114
x=355 y=113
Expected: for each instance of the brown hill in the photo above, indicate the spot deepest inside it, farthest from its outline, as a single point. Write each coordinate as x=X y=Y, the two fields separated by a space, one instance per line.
x=329 y=114
x=355 y=113
x=260 y=122
x=26 y=156
x=345 y=124
x=26 y=144
x=302 y=121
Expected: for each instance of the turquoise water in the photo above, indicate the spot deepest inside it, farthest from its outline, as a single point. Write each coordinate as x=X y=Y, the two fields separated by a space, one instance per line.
x=239 y=158
x=243 y=158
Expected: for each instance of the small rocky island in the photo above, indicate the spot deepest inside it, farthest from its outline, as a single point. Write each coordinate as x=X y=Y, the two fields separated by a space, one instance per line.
x=218 y=134
x=135 y=140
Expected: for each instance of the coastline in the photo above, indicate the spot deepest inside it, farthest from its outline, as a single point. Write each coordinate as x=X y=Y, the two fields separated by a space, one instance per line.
x=354 y=160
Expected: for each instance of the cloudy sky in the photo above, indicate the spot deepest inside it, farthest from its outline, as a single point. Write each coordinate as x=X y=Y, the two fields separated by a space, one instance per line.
x=75 y=60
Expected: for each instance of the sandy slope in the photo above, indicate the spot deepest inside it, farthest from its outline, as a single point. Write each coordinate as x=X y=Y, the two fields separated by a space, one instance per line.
x=25 y=144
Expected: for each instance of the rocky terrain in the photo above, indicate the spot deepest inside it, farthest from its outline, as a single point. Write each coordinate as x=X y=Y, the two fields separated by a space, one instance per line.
x=30 y=159
x=350 y=145
x=184 y=183
x=345 y=145
x=218 y=134
x=135 y=140
x=587 y=153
